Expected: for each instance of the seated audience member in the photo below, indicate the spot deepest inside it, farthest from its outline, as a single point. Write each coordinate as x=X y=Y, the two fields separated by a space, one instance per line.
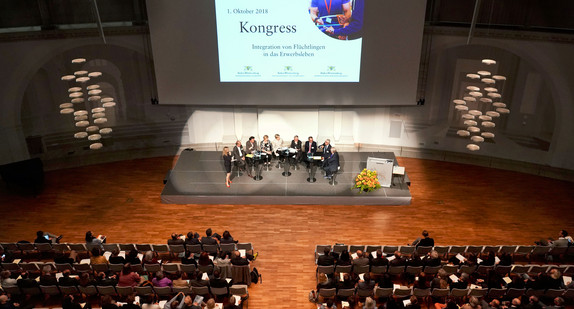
x=115 y=257
x=150 y=302
x=238 y=260
x=558 y=303
x=181 y=281
x=493 y=280
x=426 y=241
x=471 y=259
x=379 y=259
x=326 y=281
x=47 y=277
x=86 y=280
x=192 y=239
x=223 y=264
x=190 y=304
x=440 y=281
x=331 y=163
x=414 y=303
x=370 y=303
x=127 y=277
x=450 y=304
x=208 y=239
x=421 y=281
x=490 y=259
x=415 y=260
x=61 y=258
x=6 y=280
x=366 y=283
x=131 y=303
x=97 y=257
x=517 y=283
x=176 y=302
x=385 y=281
x=347 y=282
x=328 y=304
x=494 y=304
x=196 y=279
x=150 y=257
x=217 y=281
x=204 y=259
x=326 y=259
x=505 y=259
x=71 y=302
x=226 y=238
x=45 y=237
x=188 y=258
x=67 y=280
x=210 y=304
x=91 y=239
x=103 y=280
x=554 y=280
x=160 y=280
x=175 y=240
x=108 y=302
x=462 y=282
x=133 y=258
x=6 y=256
x=432 y=259
x=398 y=260
x=361 y=260
x=344 y=259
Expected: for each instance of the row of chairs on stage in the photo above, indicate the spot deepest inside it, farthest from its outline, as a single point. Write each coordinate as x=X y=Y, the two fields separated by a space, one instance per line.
x=445 y=251
x=163 y=292
x=404 y=292
x=449 y=269
x=25 y=248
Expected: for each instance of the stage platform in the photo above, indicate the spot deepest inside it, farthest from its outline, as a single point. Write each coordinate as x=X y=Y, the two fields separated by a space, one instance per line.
x=199 y=178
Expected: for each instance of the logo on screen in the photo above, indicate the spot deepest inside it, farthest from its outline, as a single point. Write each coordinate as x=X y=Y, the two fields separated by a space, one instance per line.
x=248 y=68
x=339 y=19
x=288 y=68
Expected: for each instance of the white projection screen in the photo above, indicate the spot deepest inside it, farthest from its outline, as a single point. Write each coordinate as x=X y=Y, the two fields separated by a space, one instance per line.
x=272 y=53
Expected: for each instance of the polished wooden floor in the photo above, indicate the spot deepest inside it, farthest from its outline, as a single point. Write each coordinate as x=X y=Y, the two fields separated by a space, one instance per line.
x=458 y=204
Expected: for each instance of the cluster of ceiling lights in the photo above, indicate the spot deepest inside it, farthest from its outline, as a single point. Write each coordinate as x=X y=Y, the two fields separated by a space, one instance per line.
x=87 y=105
x=481 y=106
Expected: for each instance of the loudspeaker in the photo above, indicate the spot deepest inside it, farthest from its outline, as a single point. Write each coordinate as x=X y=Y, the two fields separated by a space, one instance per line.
x=24 y=176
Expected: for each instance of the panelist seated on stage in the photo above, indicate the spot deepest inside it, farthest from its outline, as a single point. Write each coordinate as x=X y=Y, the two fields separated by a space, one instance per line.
x=326 y=148
x=267 y=148
x=239 y=155
x=277 y=143
x=298 y=146
x=331 y=163
x=309 y=150
x=251 y=145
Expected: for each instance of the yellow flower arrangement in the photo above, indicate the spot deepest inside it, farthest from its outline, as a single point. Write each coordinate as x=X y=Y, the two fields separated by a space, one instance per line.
x=366 y=181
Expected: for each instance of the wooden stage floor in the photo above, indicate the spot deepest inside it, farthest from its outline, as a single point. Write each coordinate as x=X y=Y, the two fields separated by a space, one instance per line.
x=458 y=204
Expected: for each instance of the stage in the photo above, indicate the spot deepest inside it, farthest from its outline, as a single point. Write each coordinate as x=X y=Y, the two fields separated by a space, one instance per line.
x=199 y=178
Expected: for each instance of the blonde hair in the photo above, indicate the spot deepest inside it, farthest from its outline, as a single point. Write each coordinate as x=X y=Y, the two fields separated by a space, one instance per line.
x=265 y=136
x=210 y=303
x=225 y=151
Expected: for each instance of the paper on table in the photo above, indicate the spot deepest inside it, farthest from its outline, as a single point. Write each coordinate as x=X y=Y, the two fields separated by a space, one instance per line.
x=242 y=252
x=567 y=280
x=85 y=261
x=460 y=257
x=204 y=276
x=374 y=254
x=453 y=278
x=390 y=258
x=362 y=276
x=354 y=256
x=496 y=260
x=507 y=280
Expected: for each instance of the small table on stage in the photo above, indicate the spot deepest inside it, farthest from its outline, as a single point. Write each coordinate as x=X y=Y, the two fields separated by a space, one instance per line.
x=256 y=158
x=285 y=153
x=313 y=162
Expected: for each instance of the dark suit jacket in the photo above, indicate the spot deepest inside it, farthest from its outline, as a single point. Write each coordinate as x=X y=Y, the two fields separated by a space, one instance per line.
x=332 y=162
x=326 y=149
x=297 y=145
x=239 y=261
x=208 y=240
x=235 y=153
x=398 y=262
x=325 y=260
x=379 y=261
x=251 y=147
x=313 y=147
x=117 y=260
x=218 y=283
x=426 y=242
x=67 y=281
x=175 y=241
x=48 y=280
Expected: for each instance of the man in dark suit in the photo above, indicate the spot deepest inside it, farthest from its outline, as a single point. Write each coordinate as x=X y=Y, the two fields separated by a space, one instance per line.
x=426 y=241
x=238 y=260
x=326 y=259
x=296 y=144
x=380 y=260
x=217 y=281
x=331 y=163
x=175 y=240
x=250 y=148
x=361 y=260
x=207 y=239
x=398 y=260
x=26 y=282
x=326 y=147
x=309 y=151
x=66 y=280
x=239 y=154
